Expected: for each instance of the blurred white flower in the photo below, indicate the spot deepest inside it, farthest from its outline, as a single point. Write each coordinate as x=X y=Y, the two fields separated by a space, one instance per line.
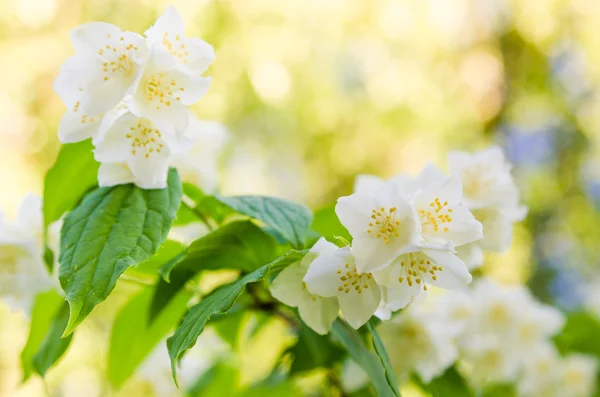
x=156 y=369
x=491 y=193
x=547 y=374
x=382 y=223
x=288 y=287
x=127 y=139
x=418 y=341
x=199 y=166
x=23 y=273
x=192 y=54
x=471 y=254
x=106 y=64
x=334 y=275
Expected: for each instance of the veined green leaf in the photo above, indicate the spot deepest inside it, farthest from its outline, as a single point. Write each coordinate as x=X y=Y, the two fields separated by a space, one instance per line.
x=53 y=346
x=383 y=356
x=369 y=361
x=112 y=229
x=133 y=336
x=73 y=174
x=219 y=301
x=45 y=308
x=238 y=245
x=290 y=219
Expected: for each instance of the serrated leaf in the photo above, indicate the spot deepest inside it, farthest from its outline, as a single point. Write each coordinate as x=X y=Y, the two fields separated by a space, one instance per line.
x=53 y=346
x=369 y=361
x=238 y=245
x=112 y=229
x=134 y=336
x=73 y=174
x=219 y=301
x=313 y=351
x=45 y=308
x=384 y=358
x=290 y=219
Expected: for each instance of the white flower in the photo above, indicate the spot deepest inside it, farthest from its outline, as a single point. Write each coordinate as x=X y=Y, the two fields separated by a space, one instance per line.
x=418 y=341
x=382 y=223
x=23 y=273
x=579 y=375
x=199 y=166
x=491 y=193
x=486 y=361
x=471 y=254
x=288 y=287
x=127 y=139
x=164 y=90
x=106 y=65
x=335 y=275
x=192 y=54
x=409 y=274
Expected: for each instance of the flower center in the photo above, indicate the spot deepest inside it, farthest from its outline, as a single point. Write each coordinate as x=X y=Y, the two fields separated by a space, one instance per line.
x=144 y=138
x=415 y=265
x=157 y=87
x=175 y=48
x=117 y=60
x=351 y=280
x=436 y=215
x=383 y=224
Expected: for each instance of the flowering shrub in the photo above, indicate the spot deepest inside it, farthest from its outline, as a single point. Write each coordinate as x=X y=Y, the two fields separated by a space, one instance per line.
x=134 y=195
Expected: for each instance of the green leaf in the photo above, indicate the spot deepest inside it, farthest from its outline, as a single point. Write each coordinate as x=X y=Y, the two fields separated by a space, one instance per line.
x=53 y=346
x=206 y=206
x=219 y=301
x=290 y=219
x=327 y=224
x=133 y=336
x=580 y=334
x=238 y=245
x=45 y=308
x=383 y=356
x=350 y=339
x=73 y=174
x=313 y=351
x=112 y=229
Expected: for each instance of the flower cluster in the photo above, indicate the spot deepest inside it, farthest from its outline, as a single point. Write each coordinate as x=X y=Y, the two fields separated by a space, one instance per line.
x=405 y=234
x=24 y=274
x=130 y=95
x=499 y=334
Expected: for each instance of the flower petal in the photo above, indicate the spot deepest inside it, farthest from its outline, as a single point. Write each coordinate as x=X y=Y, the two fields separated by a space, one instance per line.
x=322 y=277
x=319 y=313
x=111 y=174
x=288 y=285
x=455 y=273
x=354 y=212
x=357 y=308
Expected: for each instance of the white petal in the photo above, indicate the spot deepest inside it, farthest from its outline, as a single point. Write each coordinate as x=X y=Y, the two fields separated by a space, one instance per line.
x=455 y=273
x=322 y=278
x=112 y=145
x=74 y=75
x=471 y=254
x=201 y=55
x=319 y=313
x=463 y=229
x=399 y=297
x=358 y=308
x=102 y=96
x=354 y=212
x=76 y=127
x=111 y=174
x=287 y=286
x=151 y=172
x=449 y=190
x=169 y=22
x=372 y=254
x=195 y=87
x=91 y=37
x=388 y=195
x=431 y=175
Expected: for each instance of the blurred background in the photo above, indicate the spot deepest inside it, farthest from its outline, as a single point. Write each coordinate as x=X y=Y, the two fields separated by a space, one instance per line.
x=316 y=92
